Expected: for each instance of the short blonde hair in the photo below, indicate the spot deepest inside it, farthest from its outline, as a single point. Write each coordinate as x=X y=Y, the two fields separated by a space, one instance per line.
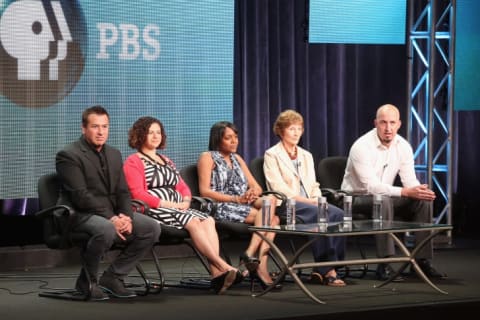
x=285 y=119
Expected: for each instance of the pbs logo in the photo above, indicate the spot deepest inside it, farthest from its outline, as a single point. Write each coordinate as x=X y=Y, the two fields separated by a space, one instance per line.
x=42 y=50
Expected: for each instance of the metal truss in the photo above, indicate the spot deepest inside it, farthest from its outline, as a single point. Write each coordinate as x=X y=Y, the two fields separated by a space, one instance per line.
x=430 y=47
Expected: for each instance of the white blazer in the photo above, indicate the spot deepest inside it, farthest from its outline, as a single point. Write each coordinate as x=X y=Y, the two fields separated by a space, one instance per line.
x=282 y=176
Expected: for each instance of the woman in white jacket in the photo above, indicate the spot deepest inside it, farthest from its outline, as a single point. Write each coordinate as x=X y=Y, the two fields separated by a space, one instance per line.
x=290 y=169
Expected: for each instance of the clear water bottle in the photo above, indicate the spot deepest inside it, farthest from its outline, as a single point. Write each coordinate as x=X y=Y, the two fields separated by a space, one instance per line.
x=266 y=212
x=322 y=218
x=347 y=208
x=322 y=210
x=377 y=208
x=291 y=212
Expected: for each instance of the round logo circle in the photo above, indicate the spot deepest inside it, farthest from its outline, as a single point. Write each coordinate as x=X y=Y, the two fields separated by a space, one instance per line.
x=43 y=47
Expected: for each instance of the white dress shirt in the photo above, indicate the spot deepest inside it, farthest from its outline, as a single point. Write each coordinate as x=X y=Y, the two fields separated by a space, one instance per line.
x=372 y=167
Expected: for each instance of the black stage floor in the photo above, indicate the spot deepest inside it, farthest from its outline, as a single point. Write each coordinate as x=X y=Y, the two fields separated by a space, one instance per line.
x=360 y=299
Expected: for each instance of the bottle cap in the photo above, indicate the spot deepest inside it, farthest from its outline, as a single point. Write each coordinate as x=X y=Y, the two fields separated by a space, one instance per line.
x=322 y=200
x=266 y=201
x=377 y=197
x=291 y=201
x=347 y=199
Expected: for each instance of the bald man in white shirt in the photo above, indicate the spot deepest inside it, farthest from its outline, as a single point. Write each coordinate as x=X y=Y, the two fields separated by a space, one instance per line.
x=374 y=161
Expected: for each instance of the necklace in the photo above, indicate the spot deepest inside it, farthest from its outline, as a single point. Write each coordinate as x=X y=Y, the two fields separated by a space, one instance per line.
x=152 y=159
x=292 y=154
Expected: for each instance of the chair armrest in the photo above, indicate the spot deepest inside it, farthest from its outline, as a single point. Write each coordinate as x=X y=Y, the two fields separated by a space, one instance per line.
x=140 y=206
x=49 y=212
x=57 y=222
x=334 y=196
x=278 y=195
x=200 y=203
x=204 y=204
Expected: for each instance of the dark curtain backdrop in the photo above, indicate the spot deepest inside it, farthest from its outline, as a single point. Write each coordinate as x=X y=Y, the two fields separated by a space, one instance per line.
x=337 y=88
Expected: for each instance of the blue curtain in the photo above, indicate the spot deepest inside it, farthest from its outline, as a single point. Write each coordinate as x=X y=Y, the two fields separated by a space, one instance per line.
x=337 y=88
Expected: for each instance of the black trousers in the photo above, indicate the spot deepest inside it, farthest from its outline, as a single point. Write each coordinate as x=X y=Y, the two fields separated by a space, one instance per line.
x=146 y=231
x=398 y=208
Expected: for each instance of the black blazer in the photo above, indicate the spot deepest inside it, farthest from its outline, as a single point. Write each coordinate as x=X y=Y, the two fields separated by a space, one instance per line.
x=85 y=186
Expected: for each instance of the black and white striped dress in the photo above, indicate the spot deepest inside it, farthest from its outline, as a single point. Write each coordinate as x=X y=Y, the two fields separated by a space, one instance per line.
x=161 y=182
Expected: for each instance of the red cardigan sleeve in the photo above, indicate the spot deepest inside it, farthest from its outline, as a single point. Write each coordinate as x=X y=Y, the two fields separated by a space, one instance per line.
x=137 y=184
x=181 y=186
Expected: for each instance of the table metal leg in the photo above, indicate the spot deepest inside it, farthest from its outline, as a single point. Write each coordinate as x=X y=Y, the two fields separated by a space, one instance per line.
x=411 y=255
x=287 y=267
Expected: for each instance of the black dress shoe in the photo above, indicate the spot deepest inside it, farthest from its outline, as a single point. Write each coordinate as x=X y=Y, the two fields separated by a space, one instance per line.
x=96 y=294
x=114 y=286
x=92 y=290
x=429 y=270
x=385 y=271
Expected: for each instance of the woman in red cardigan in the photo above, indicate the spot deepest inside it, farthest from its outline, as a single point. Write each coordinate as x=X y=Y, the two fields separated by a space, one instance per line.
x=154 y=179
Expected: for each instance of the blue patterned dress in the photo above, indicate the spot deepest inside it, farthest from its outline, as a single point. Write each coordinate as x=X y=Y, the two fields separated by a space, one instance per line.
x=231 y=181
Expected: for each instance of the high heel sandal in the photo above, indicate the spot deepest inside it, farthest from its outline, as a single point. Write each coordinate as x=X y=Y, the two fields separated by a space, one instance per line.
x=239 y=277
x=255 y=276
x=221 y=283
x=251 y=263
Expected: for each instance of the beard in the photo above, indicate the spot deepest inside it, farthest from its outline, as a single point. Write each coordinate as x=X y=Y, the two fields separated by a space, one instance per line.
x=386 y=141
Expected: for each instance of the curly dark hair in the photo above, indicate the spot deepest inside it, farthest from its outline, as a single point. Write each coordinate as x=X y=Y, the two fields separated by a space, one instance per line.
x=216 y=134
x=137 y=134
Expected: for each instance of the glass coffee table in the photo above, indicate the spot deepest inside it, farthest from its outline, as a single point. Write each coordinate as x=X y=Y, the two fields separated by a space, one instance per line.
x=344 y=229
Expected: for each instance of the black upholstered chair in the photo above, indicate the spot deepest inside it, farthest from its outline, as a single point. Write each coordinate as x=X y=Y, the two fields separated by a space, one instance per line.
x=256 y=168
x=59 y=235
x=330 y=172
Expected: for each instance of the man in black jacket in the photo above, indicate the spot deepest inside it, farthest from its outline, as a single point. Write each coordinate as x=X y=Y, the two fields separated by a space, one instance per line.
x=93 y=184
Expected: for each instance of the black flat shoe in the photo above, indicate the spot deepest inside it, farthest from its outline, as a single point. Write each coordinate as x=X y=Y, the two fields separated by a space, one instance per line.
x=251 y=263
x=224 y=281
x=385 y=271
x=429 y=270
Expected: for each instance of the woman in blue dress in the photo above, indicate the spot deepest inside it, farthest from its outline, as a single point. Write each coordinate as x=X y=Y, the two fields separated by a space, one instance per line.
x=224 y=177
